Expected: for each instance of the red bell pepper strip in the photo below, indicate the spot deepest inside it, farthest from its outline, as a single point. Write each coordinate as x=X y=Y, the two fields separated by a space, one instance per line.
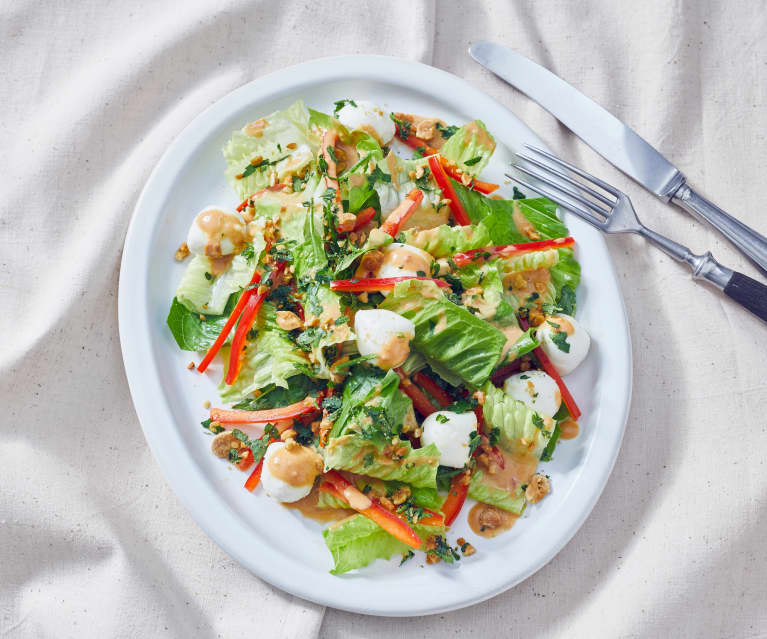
x=443 y=182
x=551 y=371
x=246 y=460
x=420 y=401
x=456 y=497
x=391 y=523
x=402 y=213
x=509 y=250
x=255 y=476
x=415 y=142
x=434 y=389
x=246 y=295
x=376 y=284
x=363 y=217
x=455 y=173
x=247 y=319
x=329 y=139
x=232 y=416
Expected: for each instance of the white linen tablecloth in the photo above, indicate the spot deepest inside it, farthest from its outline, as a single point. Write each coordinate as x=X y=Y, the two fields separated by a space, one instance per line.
x=92 y=541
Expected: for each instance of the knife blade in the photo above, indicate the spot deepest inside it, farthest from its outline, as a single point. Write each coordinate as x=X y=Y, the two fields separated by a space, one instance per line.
x=616 y=142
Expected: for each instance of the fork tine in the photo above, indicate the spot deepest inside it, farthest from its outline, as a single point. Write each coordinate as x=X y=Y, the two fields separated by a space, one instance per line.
x=564 y=189
x=575 y=169
x=589 y=217
x=568 y=179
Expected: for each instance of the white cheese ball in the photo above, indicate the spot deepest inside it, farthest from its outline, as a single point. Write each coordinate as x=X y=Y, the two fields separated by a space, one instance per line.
x=228 y=236
x=367 y=117
x=402 y=260
x=383 y=334
x=536 y=389
x=450 y=433
x=275 y=487
x=566 y=344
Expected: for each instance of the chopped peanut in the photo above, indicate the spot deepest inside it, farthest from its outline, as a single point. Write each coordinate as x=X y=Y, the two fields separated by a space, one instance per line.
x=182 y=252
x=490 y=518
x=288 y=434
x=537 y=488
x=346 y=222
x=400 y=496
x=288 y=321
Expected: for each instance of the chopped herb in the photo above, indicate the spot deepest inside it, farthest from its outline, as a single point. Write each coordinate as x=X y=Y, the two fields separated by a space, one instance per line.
x=463 y=405
x=366 y=489
x=411 y=512
x=340 y=104
x=403 y=126
x=406 y=555
x=259 y=166
x=446 y=131
x=423 y=182
x=444 y=551
x=322 y=165
x=548 y=452
x=310 y=338
x=560 y=339
x=434 y=269
x=523 y=376
x=377 y=175
x=474 y=441
x=537 y=421
x=441 y=419
x=419 y=152
x=495 y=435
x=517 y=194
x=332 y=153
x=234 y=456
x=445 y=475
x=258 y=446
x=475 y=160
x=208 y=276
x=248 y=252
x=368 y=460
x=332 y=403
x=299 y=182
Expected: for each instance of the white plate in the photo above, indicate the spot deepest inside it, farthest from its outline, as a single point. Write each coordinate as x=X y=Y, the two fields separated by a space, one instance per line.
x=277 y=544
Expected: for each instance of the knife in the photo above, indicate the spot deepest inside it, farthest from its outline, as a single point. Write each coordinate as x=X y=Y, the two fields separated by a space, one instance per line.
x=615 y=141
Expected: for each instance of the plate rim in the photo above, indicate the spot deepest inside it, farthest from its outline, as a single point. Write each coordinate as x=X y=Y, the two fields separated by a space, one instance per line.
x=281 y=82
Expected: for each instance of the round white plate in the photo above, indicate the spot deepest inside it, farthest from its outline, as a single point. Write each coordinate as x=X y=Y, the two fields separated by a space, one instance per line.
x=275 y=543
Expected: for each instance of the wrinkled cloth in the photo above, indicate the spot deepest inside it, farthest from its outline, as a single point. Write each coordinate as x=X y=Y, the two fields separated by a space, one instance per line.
x=92 y=541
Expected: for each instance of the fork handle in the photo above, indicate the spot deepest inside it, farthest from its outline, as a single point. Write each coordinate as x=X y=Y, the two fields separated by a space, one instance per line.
x=748 y=293
x=746 y=239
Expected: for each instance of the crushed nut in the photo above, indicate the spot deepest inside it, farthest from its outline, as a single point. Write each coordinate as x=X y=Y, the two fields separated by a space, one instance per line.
x=432 y=559
x=190 y=366
x=288 y=434
x=490 y=518
x=291 y=145
x=182 y=252
x=466 y=179
x=369 y=264
x=206 y=404
x=288 y=321
x=401 y=495
x=223 y=443
x=386 y=503
x=537 y=488
x=411 y=175
x=346 y=222
x=291 y=444
x=426 y=128
x=536 y=317
x=419 y=172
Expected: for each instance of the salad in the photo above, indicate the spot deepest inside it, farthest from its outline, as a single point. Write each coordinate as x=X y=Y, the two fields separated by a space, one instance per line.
x=391 y=332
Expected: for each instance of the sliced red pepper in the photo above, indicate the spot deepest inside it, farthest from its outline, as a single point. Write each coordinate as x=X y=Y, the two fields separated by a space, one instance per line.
x=499 y=376
x=509 y=250
x=329 y=139
x=454 y=172
x=443 y=182
x=231 y=416
x=376 y=284
x=456 y=497
x=246 y=460
x=246 y=295
x=390 y=522
x=434 y=389
x=551 y=371
x=420 y=401
x=402 y=213
x=247 y=319
x=255 y=477
x=363 y=217
x=416 y=143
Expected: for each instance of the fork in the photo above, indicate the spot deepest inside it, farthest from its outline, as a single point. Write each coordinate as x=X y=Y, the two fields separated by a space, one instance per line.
x=612 y=212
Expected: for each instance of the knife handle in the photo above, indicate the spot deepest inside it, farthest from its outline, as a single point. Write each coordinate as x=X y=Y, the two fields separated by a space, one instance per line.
x=748 y=293
x=743 y=237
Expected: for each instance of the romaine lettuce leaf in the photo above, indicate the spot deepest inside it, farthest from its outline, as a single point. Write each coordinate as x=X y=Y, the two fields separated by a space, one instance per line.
x=273 y=396
x=270 y=359
x=481 y=490
x=470 y=147
x=459 y=346
x=192 y=333
x=444 y=240
x=355 y=453
x=283 y=128
x=357 y=541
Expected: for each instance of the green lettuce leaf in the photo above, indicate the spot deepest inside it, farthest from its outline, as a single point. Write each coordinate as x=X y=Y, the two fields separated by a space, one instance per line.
x=375 y=240
x=459 y=346
x=357 y=541
x=444 y=240
x=283 y=128
x=355 y=453
x=470 y=147
x=269 y=360
x=483 y=491
x=272 y=396
x=192 y=333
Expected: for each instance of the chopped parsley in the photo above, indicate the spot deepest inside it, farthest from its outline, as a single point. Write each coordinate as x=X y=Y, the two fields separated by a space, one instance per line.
x=404 y=128
x=537 y=421
x=475 y=160
x=406 y=555
x=258 y=446
x=446 y=131
x=474 y=441
x=368 y=460
x=332 y=153
x=560 y=339
x=310 y=338
x=423 y=182
x=208 y=276
x=340 y=104
x=410 y=511
x=419 y=151
x=441 y=419
x=444 y=551
x=518 y=195
x=258 y=166
x=495 y=435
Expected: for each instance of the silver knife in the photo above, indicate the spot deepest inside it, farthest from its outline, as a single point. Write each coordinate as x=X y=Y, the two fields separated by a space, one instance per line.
x=616 y=142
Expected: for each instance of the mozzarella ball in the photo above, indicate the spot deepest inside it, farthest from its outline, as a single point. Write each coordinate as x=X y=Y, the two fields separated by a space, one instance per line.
x=402 y=260
x=385 y=335
x=565 y=342
x=216 y=232
x=289 y=471
x=450 y=433
x=367 y=117
x=536 y=389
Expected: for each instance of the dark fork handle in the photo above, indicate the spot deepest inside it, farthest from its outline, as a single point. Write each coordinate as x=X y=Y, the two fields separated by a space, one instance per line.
x=748 y=293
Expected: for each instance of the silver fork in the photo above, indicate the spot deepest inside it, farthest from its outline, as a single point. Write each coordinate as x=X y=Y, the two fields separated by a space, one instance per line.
x=616 y=215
